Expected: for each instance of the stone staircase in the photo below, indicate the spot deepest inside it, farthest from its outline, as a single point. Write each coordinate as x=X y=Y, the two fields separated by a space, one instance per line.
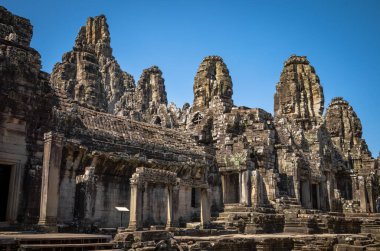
x=322 y=225
x=55 y=241
x=287 y=202
x=234 y=211
x=238 y=216
x=308 y=221
x=237 y=210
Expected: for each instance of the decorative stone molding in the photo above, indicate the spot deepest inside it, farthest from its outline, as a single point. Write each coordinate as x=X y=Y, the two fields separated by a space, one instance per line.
x=144 y=174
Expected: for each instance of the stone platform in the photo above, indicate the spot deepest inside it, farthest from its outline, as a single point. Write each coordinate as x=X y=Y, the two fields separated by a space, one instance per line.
x=58 y=241
x=277 y=241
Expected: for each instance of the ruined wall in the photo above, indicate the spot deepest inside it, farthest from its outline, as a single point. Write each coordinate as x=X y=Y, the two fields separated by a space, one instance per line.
x=91 y=186
x=24 y=113
x=123 y=145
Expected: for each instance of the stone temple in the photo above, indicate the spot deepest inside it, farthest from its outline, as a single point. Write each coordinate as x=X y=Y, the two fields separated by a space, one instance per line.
x=86 y=138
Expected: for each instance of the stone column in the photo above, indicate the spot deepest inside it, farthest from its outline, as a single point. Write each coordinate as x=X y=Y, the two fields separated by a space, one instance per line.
x=362 y=194
x=146 y=202
x=205 y=208
x=255 y=186
x=330 y=191
x=53 y=144
x=240 y=186
x=354 y=187
x=175 y=206
x=224 y=187
x=370 y=202
x=14 y=192
x=169 y=218
x=244 y=192
x=135 y=215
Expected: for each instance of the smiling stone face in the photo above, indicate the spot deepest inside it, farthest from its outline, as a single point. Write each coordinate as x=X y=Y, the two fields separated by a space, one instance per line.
x=212 y=80
x=345 y=127
x=299 y=92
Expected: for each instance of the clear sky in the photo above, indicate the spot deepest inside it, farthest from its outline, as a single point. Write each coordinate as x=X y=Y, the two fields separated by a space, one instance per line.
x=341 y=39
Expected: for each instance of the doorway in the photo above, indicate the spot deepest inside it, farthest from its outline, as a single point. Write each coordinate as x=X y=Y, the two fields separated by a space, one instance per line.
x=232 y=185
x=5 y=175
x=314 y=195
x=195 y=197
x=305 y=194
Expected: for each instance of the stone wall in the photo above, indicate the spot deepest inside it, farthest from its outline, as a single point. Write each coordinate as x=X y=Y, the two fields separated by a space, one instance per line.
x=24 y=114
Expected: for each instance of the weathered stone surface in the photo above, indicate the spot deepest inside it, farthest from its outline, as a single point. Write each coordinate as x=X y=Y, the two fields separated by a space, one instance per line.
x=90 y=140
x=150 y=91
x=14 y=28
x=26 y=103
x=212 y=80
x=345 y=128
x=299 y=94
x=89 y=74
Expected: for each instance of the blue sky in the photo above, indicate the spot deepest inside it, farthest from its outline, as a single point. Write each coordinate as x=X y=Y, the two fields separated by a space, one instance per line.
x=341 y=39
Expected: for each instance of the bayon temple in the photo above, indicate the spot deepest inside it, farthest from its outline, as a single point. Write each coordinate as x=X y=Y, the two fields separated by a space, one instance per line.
x=86 y=138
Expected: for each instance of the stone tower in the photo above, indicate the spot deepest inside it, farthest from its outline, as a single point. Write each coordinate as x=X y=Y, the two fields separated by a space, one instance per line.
x=212 y=82
x=150 y=91
x=89 y=74
x=299 y=94
x=345 y=128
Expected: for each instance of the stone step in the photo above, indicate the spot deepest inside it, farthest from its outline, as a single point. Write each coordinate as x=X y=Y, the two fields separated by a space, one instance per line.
x=238 y=209
x=232 y=204
x=222 y=218
x=288 y=199
x=225 y=215
x=67 y=246
x=217 y=224
x=118 y=249
x=294 y=206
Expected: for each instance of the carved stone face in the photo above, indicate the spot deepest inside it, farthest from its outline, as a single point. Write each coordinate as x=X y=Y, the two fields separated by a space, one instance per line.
x=287 y=107
x=212 y=80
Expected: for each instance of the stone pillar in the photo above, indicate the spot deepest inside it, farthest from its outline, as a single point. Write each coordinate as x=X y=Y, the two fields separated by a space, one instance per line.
x=135 y=215
x=205 y=208
x=240 y=186
x=354 y=187
x=14 y=192
x=224 y=189
x=53 y=144
x=175 y=206
x=371 y=205
x=330 y=192
x=170 y=216
x=244 y=192
x=146 y=202
x=362 y=194
x=255 y=193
